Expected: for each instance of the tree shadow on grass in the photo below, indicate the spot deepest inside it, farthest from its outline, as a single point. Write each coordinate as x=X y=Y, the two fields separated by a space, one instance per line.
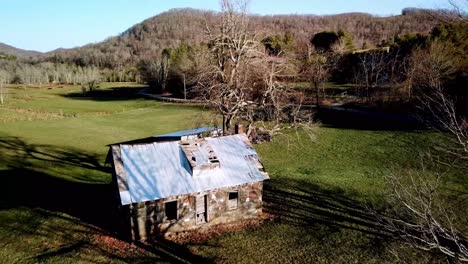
x=301 y=203
x=312 y=222
x=347 y=118
x=111 y=94
x=63 y=238
x=330 y=217
x=93 y=203
x=16 y=152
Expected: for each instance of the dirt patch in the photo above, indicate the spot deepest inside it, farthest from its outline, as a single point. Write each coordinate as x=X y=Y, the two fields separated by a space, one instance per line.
x=116 y=246
x=205 y=233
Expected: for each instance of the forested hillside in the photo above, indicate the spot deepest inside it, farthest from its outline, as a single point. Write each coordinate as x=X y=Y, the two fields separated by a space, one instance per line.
x=167 y=30
x=136 y=55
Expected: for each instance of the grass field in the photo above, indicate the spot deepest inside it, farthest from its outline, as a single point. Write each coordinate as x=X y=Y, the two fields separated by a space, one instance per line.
x=55 y=197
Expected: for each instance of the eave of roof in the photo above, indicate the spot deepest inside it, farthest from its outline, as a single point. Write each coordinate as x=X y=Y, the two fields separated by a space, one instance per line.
x=188 y=132
x=173 y=136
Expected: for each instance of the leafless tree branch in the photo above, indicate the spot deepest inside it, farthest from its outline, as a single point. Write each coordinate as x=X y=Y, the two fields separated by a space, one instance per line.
x=420 y=219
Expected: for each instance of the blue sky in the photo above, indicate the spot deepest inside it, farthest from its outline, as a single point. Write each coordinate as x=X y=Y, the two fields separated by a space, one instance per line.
x=45 y=25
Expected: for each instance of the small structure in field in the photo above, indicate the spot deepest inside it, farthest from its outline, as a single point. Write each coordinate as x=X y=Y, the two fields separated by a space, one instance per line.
x=186 y=181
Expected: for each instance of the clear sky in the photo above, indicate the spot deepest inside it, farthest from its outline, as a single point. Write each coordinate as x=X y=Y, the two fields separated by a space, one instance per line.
x=45 y=25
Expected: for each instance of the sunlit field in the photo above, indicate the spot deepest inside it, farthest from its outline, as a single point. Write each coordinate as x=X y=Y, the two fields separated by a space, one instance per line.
x=56 y=201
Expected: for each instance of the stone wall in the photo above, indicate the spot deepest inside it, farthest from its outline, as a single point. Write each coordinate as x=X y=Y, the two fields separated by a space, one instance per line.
x=148 y=219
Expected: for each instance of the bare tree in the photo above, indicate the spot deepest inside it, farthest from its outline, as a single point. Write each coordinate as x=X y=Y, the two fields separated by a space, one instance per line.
x=90 y=78
x=424 y=220
x=274 y=105
x=408 y=76
x=183 y=65
x=340 y=47
x=150 y=72
x=4 y=79
x=371 y=72
x=431 y=68
x=2 y=91
x=226 y=81
x=460 y=8
x=243 y=81
x=421 y=218
x=164 y=70
x=318 y=68
x=444 y=116
x=456 y=13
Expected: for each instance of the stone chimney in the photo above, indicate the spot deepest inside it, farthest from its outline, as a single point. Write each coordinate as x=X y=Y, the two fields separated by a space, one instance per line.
x=239 y=129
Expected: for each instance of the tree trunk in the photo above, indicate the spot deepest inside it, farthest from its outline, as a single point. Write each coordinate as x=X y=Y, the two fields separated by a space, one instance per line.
x=368 y=93
x=227 y=119
x=185 y=89
x=317 y=95
x=1 y=93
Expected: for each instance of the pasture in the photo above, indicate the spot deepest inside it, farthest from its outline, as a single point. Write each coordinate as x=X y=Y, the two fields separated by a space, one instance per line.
x=55 y=184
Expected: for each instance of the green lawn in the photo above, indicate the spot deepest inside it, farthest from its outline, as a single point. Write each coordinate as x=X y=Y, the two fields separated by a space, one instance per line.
x=55 y=199
x=321 y=191
x=55 y=188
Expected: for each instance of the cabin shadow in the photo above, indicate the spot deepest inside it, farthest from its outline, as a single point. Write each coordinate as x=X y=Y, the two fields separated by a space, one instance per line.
x=111 y=94
x=92 y=203
x=300 y=203
x=348 y=118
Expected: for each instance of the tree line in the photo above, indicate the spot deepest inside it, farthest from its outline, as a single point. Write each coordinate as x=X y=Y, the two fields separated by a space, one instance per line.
x=120 y=58
x=170 y=29
x=389 y=69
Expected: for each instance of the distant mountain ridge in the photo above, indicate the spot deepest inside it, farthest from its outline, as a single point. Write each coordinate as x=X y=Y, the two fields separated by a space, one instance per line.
x=147 y=39
x=20 y=53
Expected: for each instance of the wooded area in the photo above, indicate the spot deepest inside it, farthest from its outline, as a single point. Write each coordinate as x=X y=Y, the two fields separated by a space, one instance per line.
x=118 y=57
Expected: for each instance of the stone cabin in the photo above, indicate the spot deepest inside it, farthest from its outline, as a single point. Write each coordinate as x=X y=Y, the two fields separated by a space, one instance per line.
x=183 y=181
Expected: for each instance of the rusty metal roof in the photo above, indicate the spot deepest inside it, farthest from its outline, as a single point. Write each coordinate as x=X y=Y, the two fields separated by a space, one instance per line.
x=159 y=170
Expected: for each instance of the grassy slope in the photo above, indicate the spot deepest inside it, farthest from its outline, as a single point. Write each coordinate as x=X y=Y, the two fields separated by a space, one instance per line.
x=318 y=188
x=52 y=151
x=321 y=189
